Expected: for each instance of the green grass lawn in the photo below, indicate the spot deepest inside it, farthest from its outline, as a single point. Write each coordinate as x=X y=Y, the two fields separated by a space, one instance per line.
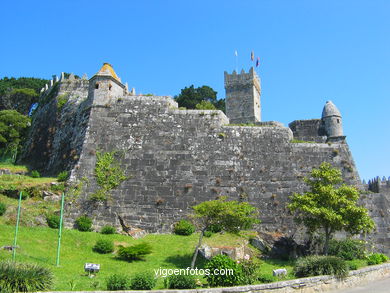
x=13 y=168
x=22 y=181
x=39 y=244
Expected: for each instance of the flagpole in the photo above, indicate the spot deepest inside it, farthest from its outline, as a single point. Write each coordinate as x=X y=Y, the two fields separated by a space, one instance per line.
x=60 y=231
x=16 y=227
x=236 y=54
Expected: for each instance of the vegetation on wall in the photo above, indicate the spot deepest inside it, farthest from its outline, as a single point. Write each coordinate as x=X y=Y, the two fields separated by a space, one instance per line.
x=108 y=175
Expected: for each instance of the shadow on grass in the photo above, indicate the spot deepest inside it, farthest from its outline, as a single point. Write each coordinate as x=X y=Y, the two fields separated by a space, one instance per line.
x=279 y=262
x=184 y=261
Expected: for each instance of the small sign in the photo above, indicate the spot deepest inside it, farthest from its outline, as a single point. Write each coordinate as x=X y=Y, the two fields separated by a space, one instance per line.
x=92 y=267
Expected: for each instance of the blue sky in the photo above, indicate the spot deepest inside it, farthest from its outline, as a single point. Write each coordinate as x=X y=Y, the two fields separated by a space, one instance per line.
x=310 y=51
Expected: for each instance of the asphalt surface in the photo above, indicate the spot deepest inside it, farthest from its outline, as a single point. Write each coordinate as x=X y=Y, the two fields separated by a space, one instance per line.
x=382 y=286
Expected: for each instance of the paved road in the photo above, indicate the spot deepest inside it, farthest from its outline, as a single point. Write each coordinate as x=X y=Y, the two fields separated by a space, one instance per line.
x=382 y=286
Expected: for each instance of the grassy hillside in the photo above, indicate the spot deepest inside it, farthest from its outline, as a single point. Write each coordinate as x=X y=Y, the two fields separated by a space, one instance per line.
x=39 y=244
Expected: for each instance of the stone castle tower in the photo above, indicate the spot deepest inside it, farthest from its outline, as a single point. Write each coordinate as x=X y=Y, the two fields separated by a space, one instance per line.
x=105 y=85
x=243 y=97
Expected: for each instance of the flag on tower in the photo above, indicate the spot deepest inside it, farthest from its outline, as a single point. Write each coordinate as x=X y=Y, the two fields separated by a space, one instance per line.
x=235 y=53
x=258 y=61
x=252 y=55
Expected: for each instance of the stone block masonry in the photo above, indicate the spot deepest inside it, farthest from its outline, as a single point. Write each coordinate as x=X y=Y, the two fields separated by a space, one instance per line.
x=176 y=159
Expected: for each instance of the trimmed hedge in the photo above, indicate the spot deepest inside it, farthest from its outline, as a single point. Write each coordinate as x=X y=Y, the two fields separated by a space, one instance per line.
x=180 y=282
x=118 y=282
x=53 y=221
x=84 y=223
x=104 y=246
x=184 y=227
x=108 y=230
x=135 y=252
x=143 y=281
x=316 y=265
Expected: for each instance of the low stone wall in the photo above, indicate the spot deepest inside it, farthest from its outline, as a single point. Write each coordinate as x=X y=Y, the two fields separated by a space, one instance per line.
x=304 y=285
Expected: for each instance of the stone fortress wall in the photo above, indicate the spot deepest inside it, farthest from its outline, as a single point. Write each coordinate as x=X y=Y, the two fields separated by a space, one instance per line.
x=175 y=158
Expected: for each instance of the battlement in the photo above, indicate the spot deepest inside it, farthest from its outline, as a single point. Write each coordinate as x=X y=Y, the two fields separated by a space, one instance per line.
x=242 y=79
x=379 y=185
x=63 y=79
x=243 y=93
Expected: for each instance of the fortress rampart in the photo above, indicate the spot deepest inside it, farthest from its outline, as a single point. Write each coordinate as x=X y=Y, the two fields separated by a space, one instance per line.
x=174 y=159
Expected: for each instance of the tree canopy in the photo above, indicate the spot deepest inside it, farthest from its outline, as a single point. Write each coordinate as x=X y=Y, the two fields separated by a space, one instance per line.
x=20 y=93
x=13 y=126
x=230 y=216
x=22 y=82
x=189 y=97
x=19 y=100
x=329 y=205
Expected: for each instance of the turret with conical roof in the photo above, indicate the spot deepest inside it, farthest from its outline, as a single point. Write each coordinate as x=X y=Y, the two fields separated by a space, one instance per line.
x=105 y=85
x=332 y=121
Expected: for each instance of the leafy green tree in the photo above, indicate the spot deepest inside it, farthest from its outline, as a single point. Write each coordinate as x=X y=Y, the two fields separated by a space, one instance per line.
x=190 y=97
x=19 y=100
x=13 y=128
x=7 y=84
x=329 y=205
x=231 y=216
x=205 y=105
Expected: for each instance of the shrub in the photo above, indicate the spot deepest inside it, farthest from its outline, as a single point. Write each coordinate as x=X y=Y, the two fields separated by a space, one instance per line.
x=135 y=252
x=143 y=281
x=108 y=230
x=376 y=258
x=3 y=208
x=353 y=265
x=53 y=221
x=207 y=233
x=84 y=223
x=347 y=249
x=215 y=228
x=63 y=176
x=321 y=265
x=184 y=227
x=104 y=246
x=118 y=282
x=24 y=277
x=180 y=282
x=224 y=263
x=57 y=187
x=33 y=191
x=267 y=278
x=35 y=174
x=249 y=270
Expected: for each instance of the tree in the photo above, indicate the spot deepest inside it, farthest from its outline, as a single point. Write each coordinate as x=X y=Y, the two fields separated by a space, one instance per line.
x=329 y=205
x=20 y=93
x=13 y=126
x=230 y=216
x=19 y=100
x=189 y=97
x=205 y=105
